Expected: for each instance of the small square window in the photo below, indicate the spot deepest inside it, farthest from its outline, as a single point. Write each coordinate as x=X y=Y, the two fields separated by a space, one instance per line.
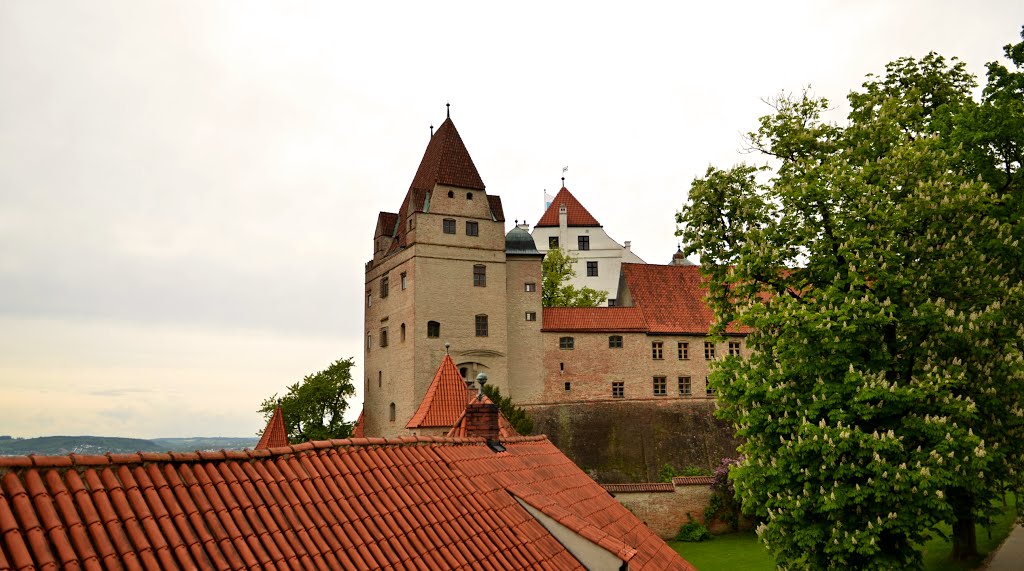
x=618 y=389
x=591 y=269
x=448 y=225
x=709 y=350
x=684 y=386
x=656 y=350
x=615 y=341
x=734 y=348
x=403 y=280
x=552 y=242
x=567 y=343
x=660 y=389
x=481 y=326
x=611 y=302
x=583 y=242
x=433 y=329
x=472 y=228
x=480 y=276
x=530 y=287
x=531 y=316
x=684 y=351
x=568 y=386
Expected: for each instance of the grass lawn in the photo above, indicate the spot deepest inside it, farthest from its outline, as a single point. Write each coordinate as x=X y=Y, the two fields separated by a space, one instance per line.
x=742 y=551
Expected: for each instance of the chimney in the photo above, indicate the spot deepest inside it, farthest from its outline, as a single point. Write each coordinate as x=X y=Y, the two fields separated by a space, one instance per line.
x=627 y=246
x=482 y=420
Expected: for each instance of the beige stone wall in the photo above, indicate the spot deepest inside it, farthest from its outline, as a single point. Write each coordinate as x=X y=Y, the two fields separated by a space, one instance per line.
x=592 y=366
x=666 y=512
x=525 y=347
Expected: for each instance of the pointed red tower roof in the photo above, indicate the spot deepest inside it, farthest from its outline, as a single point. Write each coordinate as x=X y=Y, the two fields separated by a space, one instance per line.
x=357 y=428
x=275 y=434
x=445 y=400
x=446 y=161
x=576 y=214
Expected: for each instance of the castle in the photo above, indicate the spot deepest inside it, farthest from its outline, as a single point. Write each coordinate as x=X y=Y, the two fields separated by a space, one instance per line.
x=445 y=274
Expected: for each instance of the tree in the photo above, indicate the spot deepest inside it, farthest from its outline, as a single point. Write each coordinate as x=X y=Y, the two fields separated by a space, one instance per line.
x=314 y=407
x=556 y=289
x=877 y=264
x=516 y=416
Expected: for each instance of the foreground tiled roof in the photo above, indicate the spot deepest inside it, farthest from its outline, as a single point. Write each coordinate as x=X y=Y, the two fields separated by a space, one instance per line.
x=445 y=399
x=406 y=503
x=275 y=434
x=671 y=298
x=585 y=319
x=446 y=161
x=576 y=214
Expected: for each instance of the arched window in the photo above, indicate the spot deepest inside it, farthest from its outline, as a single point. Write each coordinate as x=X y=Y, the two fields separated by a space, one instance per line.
x=433 y=329
x=451 y=194
x=469 y=196
x=391 y=412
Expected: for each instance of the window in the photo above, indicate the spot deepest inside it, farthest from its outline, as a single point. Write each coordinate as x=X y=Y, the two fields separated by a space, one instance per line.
x=369 y=300
x=684 y=386
x=660 y=387
x=480 y=276
x=401 y=332
x=568 y=386
x=615 y=341
x=584 y=242
x=734 y=348
x=684 y=351
x=656 y=349
x=561 y=366
x=391 y=412
x=481 y=326
x=369 y=341
x=448 y=225
x=384 y=337
x=403 y=280
x=384 y=286
x=451 y=194
x=469 y=196
x=611 y=302
x=531 y=316
x=618 y=389
x=566 y=343
x=710 y=391
x=433 y=329
x=472 y=228
x=530 y=287
x=380 y=378
x=709 y=350
x=591 y=269
x=552 y=242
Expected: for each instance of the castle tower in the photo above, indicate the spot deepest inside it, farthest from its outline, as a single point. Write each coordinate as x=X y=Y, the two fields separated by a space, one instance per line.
x=438 y=275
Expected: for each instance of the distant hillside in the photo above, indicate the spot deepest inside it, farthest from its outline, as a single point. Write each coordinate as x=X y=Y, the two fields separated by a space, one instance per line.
x=60 y=445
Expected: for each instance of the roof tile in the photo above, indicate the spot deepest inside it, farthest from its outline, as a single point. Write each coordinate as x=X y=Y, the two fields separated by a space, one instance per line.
x=596 y=319
x=672 y=298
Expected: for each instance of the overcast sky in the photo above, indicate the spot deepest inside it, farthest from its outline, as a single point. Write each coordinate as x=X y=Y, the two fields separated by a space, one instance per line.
x=188 y=190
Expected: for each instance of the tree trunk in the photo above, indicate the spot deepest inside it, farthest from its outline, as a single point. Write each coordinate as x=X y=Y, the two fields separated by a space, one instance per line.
x=965 y=537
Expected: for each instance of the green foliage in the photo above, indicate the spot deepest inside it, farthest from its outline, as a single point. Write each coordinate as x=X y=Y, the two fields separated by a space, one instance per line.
x=556 y=290
x=723 y=505
x=878 y=265
x=516 y=416
x=693 y=531
x=314 y=408
x=668 y=472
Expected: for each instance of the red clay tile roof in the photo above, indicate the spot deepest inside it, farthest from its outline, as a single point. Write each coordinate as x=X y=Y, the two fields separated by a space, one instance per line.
x=446 y=161
x=386 y=222
x=671 y=298
x=275 y=434
x=372 y=503
x=357 y=428
x=505 y=429
x=445 y=399
x=496 y=210
x=593 y=319
x=693 y=481
x=576 y=215
x=642 y=487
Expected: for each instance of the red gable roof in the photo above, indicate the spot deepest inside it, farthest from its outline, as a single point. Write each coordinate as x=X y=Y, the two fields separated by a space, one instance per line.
x=672 y=298
x=576 y=215
x=445 y=399
x=357 y=428
x=412 y=502
x=446 y=161
x=275 y=434
x=593 y=319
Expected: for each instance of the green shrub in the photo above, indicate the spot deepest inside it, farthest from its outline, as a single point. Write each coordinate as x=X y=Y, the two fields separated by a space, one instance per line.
x=693 y=531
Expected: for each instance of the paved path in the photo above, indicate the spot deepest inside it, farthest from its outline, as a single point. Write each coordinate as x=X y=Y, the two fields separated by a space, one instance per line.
x=1010 y=555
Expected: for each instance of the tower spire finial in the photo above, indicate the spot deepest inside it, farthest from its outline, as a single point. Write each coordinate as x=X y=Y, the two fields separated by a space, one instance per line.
x=431 y=129
x=564 y=169
x=448 y=110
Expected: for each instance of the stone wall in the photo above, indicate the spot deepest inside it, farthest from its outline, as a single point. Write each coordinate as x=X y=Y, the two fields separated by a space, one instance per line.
x=630 y=440
x=666 y=507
